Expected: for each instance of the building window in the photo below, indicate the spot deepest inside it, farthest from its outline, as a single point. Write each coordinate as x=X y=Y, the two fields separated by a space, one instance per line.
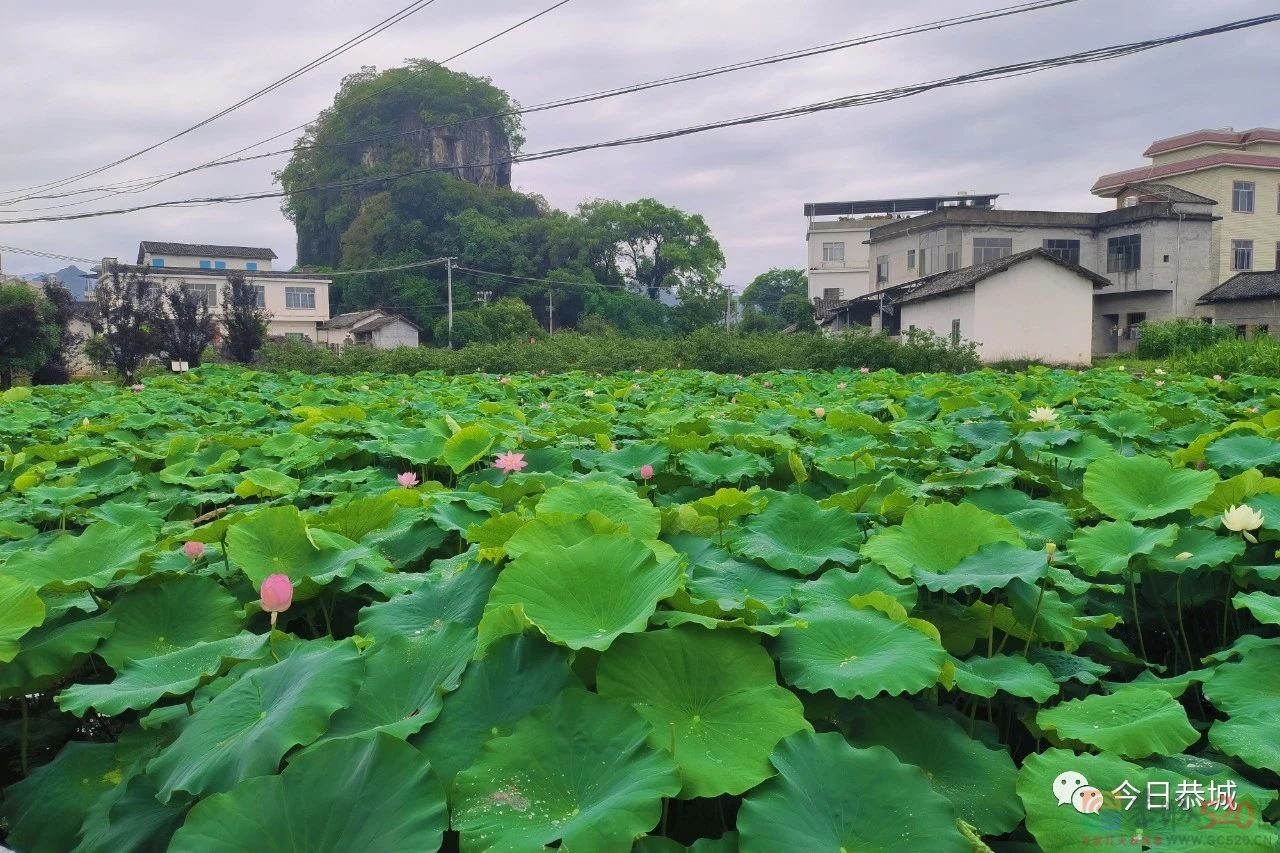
x=300 y=297
x=1133 y=324
x=1242 y=197
x=911 y=259
x=251 y=266
x=955 y=333
x=261 y=292
x=157 y=262
x=831 y=295
x=1242 y=254
x=882 y=269
x=1242 y=331
x=833 y=253
x=1064 y=250
x=207 y=292
x=219 y=265
x=1124 y=254
x=1278 y=254
x=991 y=248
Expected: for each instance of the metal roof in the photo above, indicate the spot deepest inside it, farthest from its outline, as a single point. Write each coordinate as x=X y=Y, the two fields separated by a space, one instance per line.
x=925 y=204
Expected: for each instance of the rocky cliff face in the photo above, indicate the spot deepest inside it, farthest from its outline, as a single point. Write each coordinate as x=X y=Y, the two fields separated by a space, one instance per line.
x=474 y=151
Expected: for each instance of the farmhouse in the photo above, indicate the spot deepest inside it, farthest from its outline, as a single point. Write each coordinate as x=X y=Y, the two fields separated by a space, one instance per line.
x=376 y=329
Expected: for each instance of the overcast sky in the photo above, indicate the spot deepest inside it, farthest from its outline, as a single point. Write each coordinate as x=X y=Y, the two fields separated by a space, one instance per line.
x=84 y=82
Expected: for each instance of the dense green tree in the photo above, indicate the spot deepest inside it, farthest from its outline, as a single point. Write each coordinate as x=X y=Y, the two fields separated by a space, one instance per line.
x=29 y=333
x=795 y=310
x=766 y=291
x=57 y=369
x=654 y=247
x=243 y=319
x=507 y=319
x=127 y=321
x=186 y=325
x=757 y=321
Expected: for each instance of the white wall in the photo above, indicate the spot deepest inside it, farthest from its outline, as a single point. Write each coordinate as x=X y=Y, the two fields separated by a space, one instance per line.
x=398 y=334
x=850 y=275
x=264 y=265
x=1035 y=309
x=936 y=315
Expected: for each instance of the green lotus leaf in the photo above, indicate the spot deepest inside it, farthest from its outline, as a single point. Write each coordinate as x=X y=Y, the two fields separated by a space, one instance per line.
x=359 y=517
x=143 y=683
x=628 y=461
x=409 y=535
x=835 y=587
x=44 y=811
x=991 y=567
x=1205 y=547
x=587 y=595
x=859 y=653
x=829 y=796
x=309 y=806
x=266 y=481
x=936 y=538
x=732 y=467
x=1134 y=488
x=1248 y=687
x=1265 y=608
x=130 y=818
x=466 y=447
x=1238 y=452
x=1235 y=491
x=1015 y=675
x=1065 y=666
x=1108 y=547
x=794 y=534
x=259 y=718
x=728 y=504
x=275 y=540
x=423 y=446
x=447 y=596
x=20 y=611
x=405 y=680
x=47 y=652
x=621 y=506
x=734 y=585
x=727 y=843
x=101 y=554
x=979 y=781
x=712 y=698
x=516 y=675
x=1037 y=521
x=159 y=619
x=1133 y=722
x=1250 y=737
x=579 y=771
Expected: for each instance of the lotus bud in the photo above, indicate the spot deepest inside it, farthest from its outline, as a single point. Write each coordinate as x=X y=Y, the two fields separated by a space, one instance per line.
x=277 y=595
x=646 y=471
x=193 y=550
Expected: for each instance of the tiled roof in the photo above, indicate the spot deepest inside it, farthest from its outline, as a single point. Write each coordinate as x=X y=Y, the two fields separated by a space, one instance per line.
x=346 y=321
x=197 y=272
x=1109 y=184
x=947 y=282
x=365 y=321
x=1167 y=192
x=1220 y=137
x=1246 y=285
x=204 y=250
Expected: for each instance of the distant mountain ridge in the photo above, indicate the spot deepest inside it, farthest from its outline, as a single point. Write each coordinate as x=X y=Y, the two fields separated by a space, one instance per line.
x=72 y=278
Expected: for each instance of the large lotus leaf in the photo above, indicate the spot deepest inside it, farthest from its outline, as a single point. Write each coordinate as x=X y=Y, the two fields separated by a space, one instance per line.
x=727 y=843
x=1240 y=451
x=360 y=517
x=728 y=504
x=359 y=794
x=1133 y=488
x=1249 y=686
x=1108 y=547
x=409 y=535
x=538 y=533
x=1250 y=737
x=587 y=595
x=936 y=538
x=1047 y=780
x=1133 y=722
x=794 y=534
x=1235 y=491
x=835 y=587
x=47 y=652
x=735 y=585
x=859 y=653
x=448 y=596
x=405 y=682
x=711 y=468
x=621 y=506
x=628 y=461
x=516 y=675
x=1203 y=549
x=1265 y=608
x=579 y=771
x=143 y=683
x=275 y=540
x=466 y=447
x=44 y=811
x=1065 y=666
x=266 y=481
x=129 y=819
x=1014 y=674
x=95 y=558
x=991 y=567
x=258 y=719
x=829 y=796
x=711 y=697
x=418 y=446
x=979 y=781
x=162 y=618
x=20 y=611
x=1037 y=521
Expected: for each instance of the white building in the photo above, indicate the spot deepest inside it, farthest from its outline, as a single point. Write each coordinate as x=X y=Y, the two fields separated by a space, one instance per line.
x=376 y=329
x=297 y=302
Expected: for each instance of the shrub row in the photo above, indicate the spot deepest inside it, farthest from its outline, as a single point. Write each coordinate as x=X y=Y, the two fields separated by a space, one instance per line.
x=1176 y=337
x=1258 y=357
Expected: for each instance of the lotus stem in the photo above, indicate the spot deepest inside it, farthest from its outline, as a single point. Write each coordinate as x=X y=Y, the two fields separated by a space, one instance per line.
x=1226 y=605
x=1137 y=620
x=26 y=731
x=1182 y=627
x=1035 y=617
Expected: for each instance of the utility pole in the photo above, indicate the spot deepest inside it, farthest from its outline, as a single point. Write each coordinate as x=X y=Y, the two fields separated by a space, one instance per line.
x=551 y=313
x=728 y=306
x=448 y=274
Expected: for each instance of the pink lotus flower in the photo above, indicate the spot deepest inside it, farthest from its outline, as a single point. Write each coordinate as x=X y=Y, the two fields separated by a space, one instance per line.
x=408 y=479
x=137 y=386
x=506 y=380
x=864 y=369
x=733 y=399
x=646 y=471
x=194 y=550
x=510 y=462
x=819 y=412
x=842 y=385
x=277 y=595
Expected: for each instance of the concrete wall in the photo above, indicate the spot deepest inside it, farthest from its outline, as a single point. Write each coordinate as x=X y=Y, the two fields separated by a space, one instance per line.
x=1155 y=304
x=936 y=315
x=850 y=275
x=1035 y=309
x=398 y=334
x=264 y=265
x=1262 y=226
x=1251 y=313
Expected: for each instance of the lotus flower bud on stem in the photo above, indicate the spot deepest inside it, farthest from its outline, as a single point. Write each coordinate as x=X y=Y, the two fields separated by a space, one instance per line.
x=276 y=594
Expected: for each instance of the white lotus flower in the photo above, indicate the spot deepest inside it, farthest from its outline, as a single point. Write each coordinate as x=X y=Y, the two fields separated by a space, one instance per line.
x=1042 y=415
x=1242 y=519
x=1160 y=372
x=820 y=412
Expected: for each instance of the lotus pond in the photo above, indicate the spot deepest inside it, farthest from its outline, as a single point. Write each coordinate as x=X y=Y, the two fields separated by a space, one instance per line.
x=794 y=611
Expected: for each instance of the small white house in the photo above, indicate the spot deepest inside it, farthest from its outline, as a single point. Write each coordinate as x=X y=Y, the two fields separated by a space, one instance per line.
x=1029 y=305
x=377 y=329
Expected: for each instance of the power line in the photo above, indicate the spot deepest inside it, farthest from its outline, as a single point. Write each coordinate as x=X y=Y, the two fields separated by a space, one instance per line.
x=354 y=41
x=55 y=256
x=881 y=96
x=144 y=184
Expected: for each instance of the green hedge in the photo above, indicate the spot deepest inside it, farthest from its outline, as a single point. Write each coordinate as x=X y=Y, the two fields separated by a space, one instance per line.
x=706 y=349
x=1259 y=357
x=1175 y=337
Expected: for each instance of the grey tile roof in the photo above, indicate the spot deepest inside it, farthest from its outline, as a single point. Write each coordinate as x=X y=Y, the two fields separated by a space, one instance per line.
x=1245 y=285
x=346 y=321
x=204 y=250
x=947 y=282
x=1168 y=192
x=365 y=321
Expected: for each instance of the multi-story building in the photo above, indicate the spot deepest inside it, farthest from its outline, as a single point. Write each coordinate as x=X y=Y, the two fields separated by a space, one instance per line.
x=296 y=302
x=1154 y=251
